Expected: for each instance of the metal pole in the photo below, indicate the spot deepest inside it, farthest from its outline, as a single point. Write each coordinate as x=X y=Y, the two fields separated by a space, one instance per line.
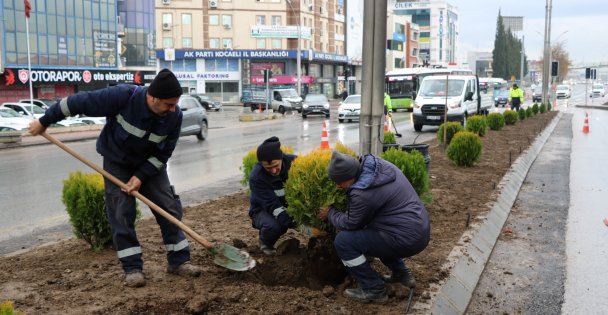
x=298 y=57
x=521 y=66
x=546 y=54
x=29 y=66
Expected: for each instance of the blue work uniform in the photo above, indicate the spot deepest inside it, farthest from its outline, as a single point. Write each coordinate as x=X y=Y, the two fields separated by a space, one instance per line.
x=134 y=142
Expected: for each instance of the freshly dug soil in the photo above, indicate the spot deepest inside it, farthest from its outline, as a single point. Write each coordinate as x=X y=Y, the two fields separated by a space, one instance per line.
x=304 y=278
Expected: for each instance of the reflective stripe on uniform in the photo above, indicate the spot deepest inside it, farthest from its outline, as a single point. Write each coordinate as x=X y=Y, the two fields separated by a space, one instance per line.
x=129 y=252
x=278 y=211
x=279 y=192
x=63 y=104
x=130 y=128
x=355 y=262
x=154 y=161
x=177 y=247
x=156 y=138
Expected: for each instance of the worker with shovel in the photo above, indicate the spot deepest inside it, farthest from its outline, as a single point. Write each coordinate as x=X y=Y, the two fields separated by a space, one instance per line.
x=141 y=132
x=384 y=219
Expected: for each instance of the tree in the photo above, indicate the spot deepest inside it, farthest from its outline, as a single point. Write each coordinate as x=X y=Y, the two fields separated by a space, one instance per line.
x=559 y=54
x=506 y=56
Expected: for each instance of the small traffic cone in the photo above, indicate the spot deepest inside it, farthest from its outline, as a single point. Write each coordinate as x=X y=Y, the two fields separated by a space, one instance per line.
x=324 y=137
x=386 y=124
x=507 y=107
x=606 y=221
x=586 y=125
x=259 y=108
x=555 y=105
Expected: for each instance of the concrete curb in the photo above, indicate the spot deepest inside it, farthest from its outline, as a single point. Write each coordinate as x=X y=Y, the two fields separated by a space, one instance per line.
x=467 y=260
x=258 y=117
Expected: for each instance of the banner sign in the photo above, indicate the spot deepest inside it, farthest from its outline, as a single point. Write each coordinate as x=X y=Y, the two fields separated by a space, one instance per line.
x=277 y=31
x=282 y=79
x=21 y=76
x=105 y=49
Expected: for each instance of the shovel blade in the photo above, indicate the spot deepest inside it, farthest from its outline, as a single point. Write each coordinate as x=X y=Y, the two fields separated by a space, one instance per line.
x=232 y=258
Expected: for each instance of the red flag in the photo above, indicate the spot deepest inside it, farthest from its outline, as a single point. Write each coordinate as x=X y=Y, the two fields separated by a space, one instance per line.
x=28 y=8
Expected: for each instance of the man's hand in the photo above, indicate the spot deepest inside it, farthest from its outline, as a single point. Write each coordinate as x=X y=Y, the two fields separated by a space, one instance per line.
x=132 y=185
x=35 y=128
x=322 y=215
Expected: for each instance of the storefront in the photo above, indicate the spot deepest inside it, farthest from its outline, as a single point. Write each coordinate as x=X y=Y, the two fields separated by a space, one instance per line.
x=55 y=84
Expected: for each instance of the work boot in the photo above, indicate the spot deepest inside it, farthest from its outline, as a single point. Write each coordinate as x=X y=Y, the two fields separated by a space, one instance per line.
x=376 y=294
x=135 y=279
x=267 y=250
x=186 y=270
x=402 y=276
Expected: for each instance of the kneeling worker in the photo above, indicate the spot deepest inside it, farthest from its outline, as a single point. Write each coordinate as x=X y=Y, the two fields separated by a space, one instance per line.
x=385 y=219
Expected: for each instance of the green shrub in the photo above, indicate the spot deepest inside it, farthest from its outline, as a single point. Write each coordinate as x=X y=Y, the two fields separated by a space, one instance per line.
x=477 y=124
x=465 y=149
x=250 y=160
x=529 y=112
x=6 y=308
x=521 y=113
x=84 y=198
x=548 y=106
x=452 y=128
x=535 y=108
x=412 y=165
x=389 y=137
x=309 y=189
x=510 y=117
x=496 y=121
x=543 y=108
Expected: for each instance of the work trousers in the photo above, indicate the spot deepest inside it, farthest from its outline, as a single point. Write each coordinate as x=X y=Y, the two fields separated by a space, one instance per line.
x=120 y=208
x=271 y=228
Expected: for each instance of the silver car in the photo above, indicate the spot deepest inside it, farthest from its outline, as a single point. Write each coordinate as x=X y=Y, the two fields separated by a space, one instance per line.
x=350 y=108
x=194 y=120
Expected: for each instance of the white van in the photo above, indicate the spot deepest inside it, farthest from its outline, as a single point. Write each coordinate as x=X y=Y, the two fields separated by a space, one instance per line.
x=462 y=100
x=286 y=100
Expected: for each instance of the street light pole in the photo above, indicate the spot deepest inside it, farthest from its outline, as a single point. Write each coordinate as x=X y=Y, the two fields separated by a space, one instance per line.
x=298 y=58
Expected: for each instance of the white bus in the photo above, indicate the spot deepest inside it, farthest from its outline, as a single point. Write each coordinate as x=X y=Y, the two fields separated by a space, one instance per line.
x=403 y=84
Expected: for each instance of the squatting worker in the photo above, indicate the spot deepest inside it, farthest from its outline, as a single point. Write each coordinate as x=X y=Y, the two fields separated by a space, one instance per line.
x=142 y=129
x=267 y=194
x=384 y=219
x=516 y=97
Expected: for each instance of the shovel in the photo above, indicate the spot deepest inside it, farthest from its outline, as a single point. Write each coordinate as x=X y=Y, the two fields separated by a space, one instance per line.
x=397 y=134
x=225 y=255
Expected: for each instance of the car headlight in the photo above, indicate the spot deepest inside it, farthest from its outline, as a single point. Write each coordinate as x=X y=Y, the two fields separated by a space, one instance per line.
x=340 y=108
x=305 y=106
x=496 y=99
x=326 y=105
x=454 y=105
x=417 y=104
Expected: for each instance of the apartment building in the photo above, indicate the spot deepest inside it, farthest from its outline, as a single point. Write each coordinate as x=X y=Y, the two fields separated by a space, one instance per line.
x=221 y=47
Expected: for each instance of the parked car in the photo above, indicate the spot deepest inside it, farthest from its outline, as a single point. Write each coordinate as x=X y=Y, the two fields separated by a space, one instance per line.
x=208 y=102
x=537 y=93
x=195 y=120
x=350 y=108
x=502 y=98
x=25 y=109
x=41 y=102
x=10 y=118
x=315 y=104
x=562 y=91
x=89 y=120
x=597 y=90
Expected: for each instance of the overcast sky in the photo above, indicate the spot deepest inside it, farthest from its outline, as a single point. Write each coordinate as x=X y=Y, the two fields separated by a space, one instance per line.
x=582 y=25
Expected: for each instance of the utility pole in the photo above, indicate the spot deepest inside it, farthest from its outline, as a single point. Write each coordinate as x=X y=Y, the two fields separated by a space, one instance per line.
x=521 y=66
x=547 y=53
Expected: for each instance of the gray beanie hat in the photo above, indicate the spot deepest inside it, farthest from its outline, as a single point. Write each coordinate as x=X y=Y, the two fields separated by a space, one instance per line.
x=342 y=167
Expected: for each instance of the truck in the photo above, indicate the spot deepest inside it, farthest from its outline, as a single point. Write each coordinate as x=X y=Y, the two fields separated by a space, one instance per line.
x=463 y=99
x=282 y=98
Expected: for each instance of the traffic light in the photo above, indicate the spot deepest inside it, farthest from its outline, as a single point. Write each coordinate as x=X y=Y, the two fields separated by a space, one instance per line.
x=593 y=74
x=267 y=75
x=554 y=68
x=587 y=73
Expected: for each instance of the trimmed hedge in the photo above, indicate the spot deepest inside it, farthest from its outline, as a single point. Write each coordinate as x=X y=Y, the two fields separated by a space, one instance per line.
x=477 y=124
x=496 y=121
x=510 y=117
x=452 y=128
x=465 y=149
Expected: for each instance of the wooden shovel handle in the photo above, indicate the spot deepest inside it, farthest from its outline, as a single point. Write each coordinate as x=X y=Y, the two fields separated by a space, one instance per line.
x=137 y=195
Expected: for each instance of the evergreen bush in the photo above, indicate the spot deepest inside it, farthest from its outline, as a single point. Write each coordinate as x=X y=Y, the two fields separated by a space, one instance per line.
x=529 y=112
x=535 y=108
x=548 y=106
x=465 y=148
x=543 y=108
x=6 y=308
x=389 y=137
x=84 y=198
x=452 y=128
x=521 y=113
x=496 y=121
x=510 y=117
x=477 y=124
x=412 y=165
x=251 y=159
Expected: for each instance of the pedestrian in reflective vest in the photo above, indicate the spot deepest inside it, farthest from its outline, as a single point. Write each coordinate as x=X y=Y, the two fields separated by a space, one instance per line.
x=516 y=97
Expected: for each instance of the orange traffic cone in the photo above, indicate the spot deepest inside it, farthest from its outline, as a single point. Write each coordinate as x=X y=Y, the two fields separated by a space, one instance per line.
x=259 y=108
x=507 y=107
x=606 y=221
x=586 y=125
x=324 y=137
x=386 y=124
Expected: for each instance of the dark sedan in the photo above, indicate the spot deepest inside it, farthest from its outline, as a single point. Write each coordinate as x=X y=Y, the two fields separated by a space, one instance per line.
x=208 y=102
x=315 y=104
x=502 y=98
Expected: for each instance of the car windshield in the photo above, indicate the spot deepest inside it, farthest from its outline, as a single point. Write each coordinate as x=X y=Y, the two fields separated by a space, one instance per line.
x=8 y=113
x=353 y=99
x=598 y=86
x=37 y=109
x=437 y=88
x=203 y=97
x=316 y=98
x=562 y=87
x=503 y=93
x=289 y=93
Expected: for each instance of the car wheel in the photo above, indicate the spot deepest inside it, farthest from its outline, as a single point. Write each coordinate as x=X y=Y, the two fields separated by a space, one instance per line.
x=326 y=115
x=253 y=108
x=304 y=116
x=418 y=127
x=202 y=134
x=340 y=120
x=281 y=110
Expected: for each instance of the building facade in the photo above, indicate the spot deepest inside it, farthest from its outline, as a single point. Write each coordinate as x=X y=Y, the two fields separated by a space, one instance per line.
x=222 y=47
x=73 y=46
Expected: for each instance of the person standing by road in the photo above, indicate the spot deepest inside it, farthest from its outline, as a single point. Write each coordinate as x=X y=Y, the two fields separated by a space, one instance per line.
x=141 y=132
x=516 y=97
x=267 y=194
x=384 y=219
x=388 y=104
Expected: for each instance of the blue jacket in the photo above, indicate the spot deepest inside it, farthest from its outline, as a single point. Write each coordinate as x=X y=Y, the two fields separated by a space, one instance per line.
x=267 y=192
x=133 y=135
x=383 y=199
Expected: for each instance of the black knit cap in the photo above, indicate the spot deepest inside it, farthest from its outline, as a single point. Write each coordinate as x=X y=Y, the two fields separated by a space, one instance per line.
x=342 y=167
x=165 y=85
x=270 y=150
